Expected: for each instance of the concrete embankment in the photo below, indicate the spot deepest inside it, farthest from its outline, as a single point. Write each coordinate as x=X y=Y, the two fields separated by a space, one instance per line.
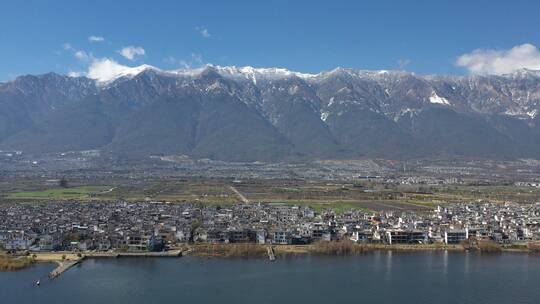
x=67 y=260
x=164 y=254
x=63 y=266
x=271 y=254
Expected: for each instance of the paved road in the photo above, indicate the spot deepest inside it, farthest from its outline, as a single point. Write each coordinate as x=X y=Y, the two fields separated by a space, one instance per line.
x=240 y=195
x=107 y=191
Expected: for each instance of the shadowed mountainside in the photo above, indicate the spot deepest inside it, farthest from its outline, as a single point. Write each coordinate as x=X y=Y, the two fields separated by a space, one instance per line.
x=246 y=114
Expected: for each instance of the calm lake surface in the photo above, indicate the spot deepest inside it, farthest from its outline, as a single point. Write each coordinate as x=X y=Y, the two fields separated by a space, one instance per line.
x=379 y=277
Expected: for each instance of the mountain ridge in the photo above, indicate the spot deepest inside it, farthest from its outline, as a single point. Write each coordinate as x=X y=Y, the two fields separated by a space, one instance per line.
x=246 y=113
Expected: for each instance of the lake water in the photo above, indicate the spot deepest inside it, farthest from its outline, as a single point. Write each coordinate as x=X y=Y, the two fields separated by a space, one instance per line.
x=379 y=277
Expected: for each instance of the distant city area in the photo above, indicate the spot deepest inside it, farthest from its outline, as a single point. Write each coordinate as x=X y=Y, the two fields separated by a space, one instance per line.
x=91 y=163
x=156 y=226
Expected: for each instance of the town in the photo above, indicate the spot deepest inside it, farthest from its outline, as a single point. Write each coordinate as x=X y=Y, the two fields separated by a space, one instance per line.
x=156 y=226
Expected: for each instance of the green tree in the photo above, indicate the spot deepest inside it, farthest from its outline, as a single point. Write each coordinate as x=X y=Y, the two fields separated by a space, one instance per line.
x=63 y=183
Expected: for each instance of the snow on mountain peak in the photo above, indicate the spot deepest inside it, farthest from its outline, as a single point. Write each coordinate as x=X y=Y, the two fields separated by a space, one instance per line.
x=523 y=73
x=434 y=98
x=106 y=70
x=253 y=74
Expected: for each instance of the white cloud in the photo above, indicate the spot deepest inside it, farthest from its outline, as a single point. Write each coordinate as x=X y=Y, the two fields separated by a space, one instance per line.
x=81 y=55
x=95 y=39
x=203 y=31
x=500 y=62
x=403 y=63
x=195 y=60
x=75 y=74
x=67 y=46
x=177 y=62
x=131 y=52
x=104 y=69
x=184 y=64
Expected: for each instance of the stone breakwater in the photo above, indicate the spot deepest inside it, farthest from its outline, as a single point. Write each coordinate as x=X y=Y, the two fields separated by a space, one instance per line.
x=63 y=266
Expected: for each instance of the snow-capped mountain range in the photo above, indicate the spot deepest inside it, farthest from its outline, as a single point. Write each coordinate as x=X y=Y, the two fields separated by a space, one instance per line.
x=246 y=113
x=517 y=100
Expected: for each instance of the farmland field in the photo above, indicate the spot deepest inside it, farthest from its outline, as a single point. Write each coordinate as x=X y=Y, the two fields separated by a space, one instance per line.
x=76 y=193
x=338 y=195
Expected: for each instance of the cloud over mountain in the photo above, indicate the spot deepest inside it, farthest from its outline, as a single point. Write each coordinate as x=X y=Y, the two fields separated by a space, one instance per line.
x=499 y=62
x=104 y=69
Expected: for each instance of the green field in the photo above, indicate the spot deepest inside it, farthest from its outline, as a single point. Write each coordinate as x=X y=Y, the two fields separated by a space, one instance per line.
x=76 y=193
x=338 y=195
x=337 y=206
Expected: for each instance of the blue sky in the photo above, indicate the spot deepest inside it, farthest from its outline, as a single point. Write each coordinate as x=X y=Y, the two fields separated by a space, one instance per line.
x=426 y=37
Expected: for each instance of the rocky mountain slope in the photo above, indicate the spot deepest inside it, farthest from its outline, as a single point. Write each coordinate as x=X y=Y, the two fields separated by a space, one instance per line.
x=248 y=114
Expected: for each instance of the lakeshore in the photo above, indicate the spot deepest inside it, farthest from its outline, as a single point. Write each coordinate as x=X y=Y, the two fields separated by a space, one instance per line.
x=14 y=263
x=66 y=260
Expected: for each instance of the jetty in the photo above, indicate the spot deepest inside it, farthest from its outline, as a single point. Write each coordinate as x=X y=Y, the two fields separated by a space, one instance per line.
x=64 y=266
x=271 y=253
x=66 y=260
x=170 y=253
